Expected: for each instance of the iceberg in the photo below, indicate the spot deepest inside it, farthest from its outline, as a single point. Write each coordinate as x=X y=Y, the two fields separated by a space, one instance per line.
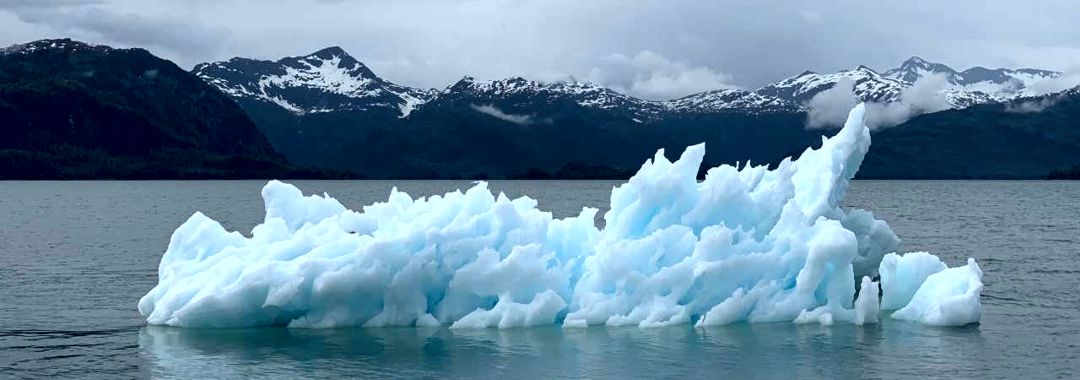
x=947 y=298
x=746 y=244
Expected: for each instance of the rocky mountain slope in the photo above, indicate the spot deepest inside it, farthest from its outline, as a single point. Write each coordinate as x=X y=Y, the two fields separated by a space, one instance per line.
x=73 y=110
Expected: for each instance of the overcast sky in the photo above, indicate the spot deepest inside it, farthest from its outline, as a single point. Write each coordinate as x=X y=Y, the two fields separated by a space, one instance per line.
x=653 y=49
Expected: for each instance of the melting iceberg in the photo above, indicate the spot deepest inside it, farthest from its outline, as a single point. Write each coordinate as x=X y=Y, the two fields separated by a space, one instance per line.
x=746 y=244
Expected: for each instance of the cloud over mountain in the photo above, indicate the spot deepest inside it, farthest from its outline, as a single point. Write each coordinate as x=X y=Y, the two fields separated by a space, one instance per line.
x=652 y=76
x=829 y=108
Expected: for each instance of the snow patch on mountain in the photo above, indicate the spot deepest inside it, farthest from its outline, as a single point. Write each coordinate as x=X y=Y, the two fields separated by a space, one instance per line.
x=328 y=75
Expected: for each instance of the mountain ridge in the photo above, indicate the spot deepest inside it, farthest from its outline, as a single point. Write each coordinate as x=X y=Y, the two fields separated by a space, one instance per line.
x=328 y=110
x=576 y=116
x=975 y=85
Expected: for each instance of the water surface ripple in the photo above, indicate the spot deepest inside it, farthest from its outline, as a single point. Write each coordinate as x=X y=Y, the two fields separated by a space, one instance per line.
x=76 y=256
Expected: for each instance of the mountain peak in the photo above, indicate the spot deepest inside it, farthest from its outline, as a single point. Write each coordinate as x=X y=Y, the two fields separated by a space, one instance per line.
x=463 y=83
x=330 y=52
x=915 y=61
x=914 y=68
x=336 y=54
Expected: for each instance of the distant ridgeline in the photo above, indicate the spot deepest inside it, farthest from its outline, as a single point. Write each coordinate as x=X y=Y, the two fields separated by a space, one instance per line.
x=71 y=110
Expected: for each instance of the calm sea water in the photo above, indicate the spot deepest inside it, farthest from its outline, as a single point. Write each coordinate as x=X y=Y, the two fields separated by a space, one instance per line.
x=76 y=256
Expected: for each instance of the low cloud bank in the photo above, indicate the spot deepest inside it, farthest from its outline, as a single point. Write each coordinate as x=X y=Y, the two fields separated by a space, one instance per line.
x=829 y=108
x=652 y=76
x=490 y=110
x=1066 y=81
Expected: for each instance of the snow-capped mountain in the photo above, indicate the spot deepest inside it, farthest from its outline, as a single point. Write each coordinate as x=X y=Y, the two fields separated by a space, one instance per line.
x=916 y=68
x=327 y=80
x=525 y=95
x=961 y=88
x=868 y=85
x=734 y=100
x=997 y=84
x=331 y=80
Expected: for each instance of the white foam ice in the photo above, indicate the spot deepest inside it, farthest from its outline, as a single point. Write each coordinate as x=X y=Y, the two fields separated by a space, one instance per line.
x=747 y=244
x=901 y=276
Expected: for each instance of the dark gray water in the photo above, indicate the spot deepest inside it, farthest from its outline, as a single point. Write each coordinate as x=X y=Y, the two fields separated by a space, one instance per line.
x=76 y=256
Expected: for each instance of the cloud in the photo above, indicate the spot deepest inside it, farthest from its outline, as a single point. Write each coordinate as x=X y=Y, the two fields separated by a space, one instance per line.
x=13 y=4
x=745 y=43
x=651 y=76
x=490 y=110
x=810 y=16
x=830 y=107
x=1045 y=93
x=1067 y=80
x=1032 y=105
x=95 y=21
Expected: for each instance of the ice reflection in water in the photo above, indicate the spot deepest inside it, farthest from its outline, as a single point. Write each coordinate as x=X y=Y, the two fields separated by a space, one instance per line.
x=780 y=350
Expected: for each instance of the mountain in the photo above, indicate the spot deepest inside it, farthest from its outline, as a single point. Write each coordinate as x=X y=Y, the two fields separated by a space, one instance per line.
x=999 y=84
x=325 y=81
x=1024 y=138
x=521 y=95
x=313 y=107
x=74 y=110
x=328 y=110
x=961 y=89
x=473 y=126
x=915 y=68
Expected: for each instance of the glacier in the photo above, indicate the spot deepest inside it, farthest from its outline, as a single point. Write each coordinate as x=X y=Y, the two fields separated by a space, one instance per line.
x=746 y=244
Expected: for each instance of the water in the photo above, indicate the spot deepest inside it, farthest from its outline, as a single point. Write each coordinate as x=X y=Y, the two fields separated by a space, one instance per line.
x=76 y=256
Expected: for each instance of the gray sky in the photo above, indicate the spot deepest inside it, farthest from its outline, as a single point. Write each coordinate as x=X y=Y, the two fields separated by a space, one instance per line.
x=653 y=49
